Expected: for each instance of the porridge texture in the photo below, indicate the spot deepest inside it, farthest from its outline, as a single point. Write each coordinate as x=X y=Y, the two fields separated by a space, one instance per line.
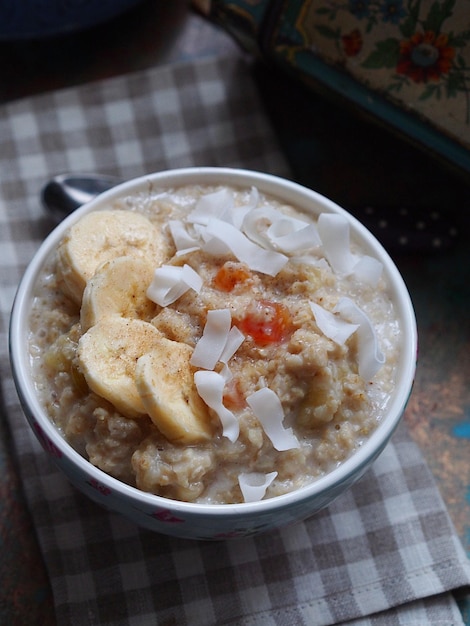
x=210 y=344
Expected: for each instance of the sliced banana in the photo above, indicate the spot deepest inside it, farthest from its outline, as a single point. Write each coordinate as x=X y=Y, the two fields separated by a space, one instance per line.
x=101 y=236
x=107 y=356
x=164 y=378
x=118 y=287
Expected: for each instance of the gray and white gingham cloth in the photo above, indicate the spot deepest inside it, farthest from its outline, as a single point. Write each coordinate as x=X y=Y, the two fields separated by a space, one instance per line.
x=383 y=553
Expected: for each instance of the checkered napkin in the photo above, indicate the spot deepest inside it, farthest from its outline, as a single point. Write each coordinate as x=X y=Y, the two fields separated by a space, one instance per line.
x=383 y=553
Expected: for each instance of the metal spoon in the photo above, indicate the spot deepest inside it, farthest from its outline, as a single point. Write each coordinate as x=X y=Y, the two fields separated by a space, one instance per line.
x=64 y=193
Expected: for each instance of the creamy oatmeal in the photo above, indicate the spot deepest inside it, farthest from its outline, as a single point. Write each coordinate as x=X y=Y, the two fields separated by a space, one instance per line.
x=212 y=344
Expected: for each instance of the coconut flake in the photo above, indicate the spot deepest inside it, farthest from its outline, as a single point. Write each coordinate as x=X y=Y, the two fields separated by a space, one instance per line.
x=217 y=204
x=226 y=372
x=183 y=240
x=219 y=342
x=257 y=258
x=370 y=357
x=334 y=233
x=270 y=228
x=239 y=212
x=267 y=407
x=170 y=282
x=288 y=239
x=214 y=339
x=235 y=339
x=368 y=270
x=210 y=386
x=253 y=485
x=257 y=222
x=332 y=326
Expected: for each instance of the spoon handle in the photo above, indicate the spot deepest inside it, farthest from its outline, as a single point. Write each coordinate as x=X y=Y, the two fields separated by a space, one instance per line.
x=64 y=193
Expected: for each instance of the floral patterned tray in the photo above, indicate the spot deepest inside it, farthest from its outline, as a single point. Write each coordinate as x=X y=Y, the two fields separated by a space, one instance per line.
x=406 y=62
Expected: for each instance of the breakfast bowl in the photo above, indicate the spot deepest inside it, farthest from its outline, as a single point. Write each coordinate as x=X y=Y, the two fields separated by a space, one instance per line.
x=212 y=352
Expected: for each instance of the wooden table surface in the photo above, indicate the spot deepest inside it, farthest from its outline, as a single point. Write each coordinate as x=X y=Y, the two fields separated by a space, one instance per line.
x=340 y=154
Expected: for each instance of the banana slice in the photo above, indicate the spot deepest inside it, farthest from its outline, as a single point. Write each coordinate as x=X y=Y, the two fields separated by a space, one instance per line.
x=101 y=236
x=118 y=287
x=164 y=378
x=107 y=356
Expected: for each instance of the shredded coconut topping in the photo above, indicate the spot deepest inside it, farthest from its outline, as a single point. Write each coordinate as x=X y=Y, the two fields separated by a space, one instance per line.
x=332 y=326
x=271 y=228
x=370 y=358
x=262 y=237
x=184 y=241
x=219 y=342
x=253 y=485
x=218 y=204
x=267 y=407
x=214 y=338
x=170 y=282
x=235 y=339
x=210 y=386
x=368 y=270
x=334 y=234
x=257 y=258
x=239 y=212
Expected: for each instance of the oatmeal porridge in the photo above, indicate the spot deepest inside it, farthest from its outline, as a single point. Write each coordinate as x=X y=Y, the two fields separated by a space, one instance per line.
x=212 y=344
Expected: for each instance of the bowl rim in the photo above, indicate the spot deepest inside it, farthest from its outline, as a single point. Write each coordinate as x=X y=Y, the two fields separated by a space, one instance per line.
x=292 y=192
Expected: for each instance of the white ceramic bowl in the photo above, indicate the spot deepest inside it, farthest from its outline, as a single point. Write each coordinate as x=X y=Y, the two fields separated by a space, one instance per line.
x=200 y=521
